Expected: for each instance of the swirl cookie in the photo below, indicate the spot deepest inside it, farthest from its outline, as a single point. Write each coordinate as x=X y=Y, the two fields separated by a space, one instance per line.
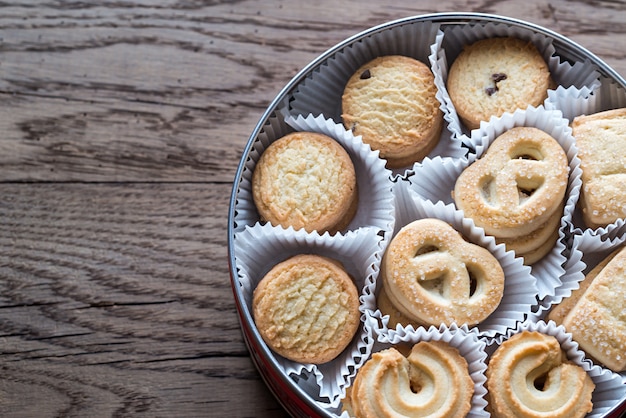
x=497 y=75
x=594 y=313
x=433 y=381
x=601 y=143
x=391 y=103
x=517 y=189
x=305 y=180
x=529 y=376
x=307 y=309
x=433 y=276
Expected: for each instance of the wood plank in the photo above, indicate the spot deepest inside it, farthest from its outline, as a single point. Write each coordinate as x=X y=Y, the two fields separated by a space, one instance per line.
x=145 y=91
x=115 y=301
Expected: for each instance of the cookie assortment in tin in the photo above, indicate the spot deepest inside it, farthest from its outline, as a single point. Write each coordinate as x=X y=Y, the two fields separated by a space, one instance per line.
x=540 y=263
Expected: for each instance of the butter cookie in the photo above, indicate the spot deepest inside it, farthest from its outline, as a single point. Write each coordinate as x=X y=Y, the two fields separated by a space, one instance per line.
x=601 y=142
x=307 y=308
x=391 y=102
x=529 y=376
x=307 y=181
x=497 y=75
x=433 y=381
x=516 y=191
x=433 y=276
x=594 y=313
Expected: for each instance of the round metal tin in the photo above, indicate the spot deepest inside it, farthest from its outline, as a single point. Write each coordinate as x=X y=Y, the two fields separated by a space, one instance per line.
x=290 y=395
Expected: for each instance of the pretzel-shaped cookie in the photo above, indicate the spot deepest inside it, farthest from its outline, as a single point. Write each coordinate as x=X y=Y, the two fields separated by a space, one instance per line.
x=433 y=381
x=529 y=376
x=517 y=185
x=433 y=276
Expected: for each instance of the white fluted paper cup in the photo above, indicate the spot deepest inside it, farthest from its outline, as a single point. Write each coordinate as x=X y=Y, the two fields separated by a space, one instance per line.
x=261 y=247
x=574 y=101
x=467 y=342
x=375 y=206
x=321 y=92
x=610 y=388
x=570 y=281
x=520 y=289
x=581 y=76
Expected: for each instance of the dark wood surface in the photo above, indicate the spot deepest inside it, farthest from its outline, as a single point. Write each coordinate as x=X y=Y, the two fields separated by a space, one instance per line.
x=121 y=127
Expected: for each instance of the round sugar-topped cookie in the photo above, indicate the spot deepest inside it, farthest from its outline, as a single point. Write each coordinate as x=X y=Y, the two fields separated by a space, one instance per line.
x=306 y=180
x=306 y=308
x=391 y=103
x=497 y=75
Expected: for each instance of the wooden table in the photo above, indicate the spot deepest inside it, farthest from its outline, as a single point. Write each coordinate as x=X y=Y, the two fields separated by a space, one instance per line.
x=122 y=124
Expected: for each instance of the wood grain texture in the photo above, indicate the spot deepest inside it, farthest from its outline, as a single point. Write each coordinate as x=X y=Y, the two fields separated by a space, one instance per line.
x=114 y=301
x=122 y=124
x=169 y=91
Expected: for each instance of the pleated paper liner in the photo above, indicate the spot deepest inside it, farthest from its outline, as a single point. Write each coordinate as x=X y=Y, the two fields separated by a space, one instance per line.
x=321 y=92
x=609 y=387
x=435 y=179
x=581 y=78
x=375 y=206
x=464 y=340
x=261 y=247
x=520 y=289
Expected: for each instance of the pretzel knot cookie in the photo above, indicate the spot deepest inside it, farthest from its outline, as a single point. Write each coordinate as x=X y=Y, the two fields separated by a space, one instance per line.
x=517 y=185
x=529 y=376
x=433 y=381
x=433 y=276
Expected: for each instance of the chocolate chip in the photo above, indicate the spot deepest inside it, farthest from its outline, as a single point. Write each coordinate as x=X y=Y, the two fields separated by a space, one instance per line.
x=498 y=77
x=491 y=90
x=365 y=75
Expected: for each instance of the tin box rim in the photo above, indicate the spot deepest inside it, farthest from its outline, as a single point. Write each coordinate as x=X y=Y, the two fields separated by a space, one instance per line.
x=291 y=396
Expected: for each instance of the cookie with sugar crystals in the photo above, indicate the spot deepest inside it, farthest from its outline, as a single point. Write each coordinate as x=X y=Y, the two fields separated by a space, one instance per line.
x=593 y=314
x=601 y=143
x=516 y=190
x=432 y=275
x=390 y=101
